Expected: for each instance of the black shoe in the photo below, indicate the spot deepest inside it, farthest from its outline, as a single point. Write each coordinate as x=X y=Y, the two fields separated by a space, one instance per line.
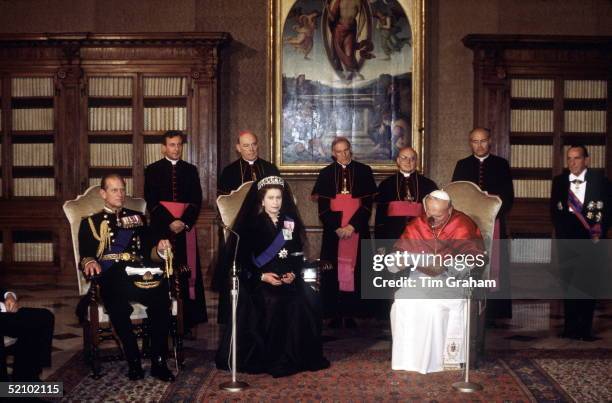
x=589 y=338
x=568 y=335
x=160 y=370
x=135 y=371
x=350 y=323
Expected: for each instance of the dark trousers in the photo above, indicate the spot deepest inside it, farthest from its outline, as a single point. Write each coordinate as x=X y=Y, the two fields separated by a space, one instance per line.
x=33 y=328
x=578 y=317
x=117 y=291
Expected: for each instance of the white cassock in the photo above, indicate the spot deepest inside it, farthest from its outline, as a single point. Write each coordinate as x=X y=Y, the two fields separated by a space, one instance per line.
x=428 y=334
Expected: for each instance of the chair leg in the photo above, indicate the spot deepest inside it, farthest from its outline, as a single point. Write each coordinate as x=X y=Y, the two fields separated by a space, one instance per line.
x=3 y=365
x=96 y=365
x=146 y=339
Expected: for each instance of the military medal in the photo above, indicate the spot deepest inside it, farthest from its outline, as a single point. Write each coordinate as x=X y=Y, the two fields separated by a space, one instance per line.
x=288 y=230
x=283 y=253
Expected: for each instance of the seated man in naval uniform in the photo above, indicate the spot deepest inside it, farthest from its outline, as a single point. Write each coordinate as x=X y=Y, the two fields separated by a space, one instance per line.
x=115 y=245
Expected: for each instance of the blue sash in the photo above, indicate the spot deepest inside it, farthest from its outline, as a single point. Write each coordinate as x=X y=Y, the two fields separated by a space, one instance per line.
x=122 y=240
x=271 y=251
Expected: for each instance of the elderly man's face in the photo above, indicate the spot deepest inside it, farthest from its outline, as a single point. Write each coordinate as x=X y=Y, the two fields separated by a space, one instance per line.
x=480 y=142
x=407 y=160
x=342 y=152
x=438 y=211
x=247 y=147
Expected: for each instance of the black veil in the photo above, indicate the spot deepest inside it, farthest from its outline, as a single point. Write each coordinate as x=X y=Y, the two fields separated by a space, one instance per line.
x=243 y=225
x=251 y=346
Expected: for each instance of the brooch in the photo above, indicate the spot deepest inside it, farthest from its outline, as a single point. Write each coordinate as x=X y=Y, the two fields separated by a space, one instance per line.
x=594 y=210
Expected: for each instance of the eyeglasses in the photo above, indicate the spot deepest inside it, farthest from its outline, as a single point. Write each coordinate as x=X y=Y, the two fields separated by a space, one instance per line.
x=406 y=158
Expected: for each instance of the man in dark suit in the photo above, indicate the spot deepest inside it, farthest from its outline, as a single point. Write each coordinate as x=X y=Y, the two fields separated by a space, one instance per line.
x=492 y=174
x=579 y=210
x=111 y=243
x=174 y=197
x=33 y=329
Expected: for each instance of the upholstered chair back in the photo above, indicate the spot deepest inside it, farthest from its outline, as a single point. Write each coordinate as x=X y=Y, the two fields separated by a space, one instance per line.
x=85 y=205
x=479 y=206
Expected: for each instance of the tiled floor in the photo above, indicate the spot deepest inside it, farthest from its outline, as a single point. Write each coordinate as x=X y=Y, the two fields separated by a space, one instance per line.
x=535 y=324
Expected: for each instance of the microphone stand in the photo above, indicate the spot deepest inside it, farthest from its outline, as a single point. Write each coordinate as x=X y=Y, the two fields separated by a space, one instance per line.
x=466 y=386
x=234 y=385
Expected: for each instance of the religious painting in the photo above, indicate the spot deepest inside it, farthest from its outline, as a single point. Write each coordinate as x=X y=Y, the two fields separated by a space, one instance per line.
x=349 y=68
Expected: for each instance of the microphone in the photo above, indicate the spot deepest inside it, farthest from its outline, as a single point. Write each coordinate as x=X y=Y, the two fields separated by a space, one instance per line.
x=431 y=221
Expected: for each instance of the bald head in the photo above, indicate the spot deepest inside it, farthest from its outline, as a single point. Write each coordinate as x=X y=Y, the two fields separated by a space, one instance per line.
x=480 y=141
x=246 y=145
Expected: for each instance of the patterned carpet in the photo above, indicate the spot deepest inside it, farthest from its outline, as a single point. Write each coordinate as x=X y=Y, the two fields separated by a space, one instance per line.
x=359 y=373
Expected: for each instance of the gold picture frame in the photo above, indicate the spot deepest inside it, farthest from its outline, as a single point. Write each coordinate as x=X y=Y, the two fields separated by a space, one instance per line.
x=310 y=29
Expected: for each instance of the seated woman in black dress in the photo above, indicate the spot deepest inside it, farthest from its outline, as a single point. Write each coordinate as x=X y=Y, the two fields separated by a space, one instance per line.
x=279 y=326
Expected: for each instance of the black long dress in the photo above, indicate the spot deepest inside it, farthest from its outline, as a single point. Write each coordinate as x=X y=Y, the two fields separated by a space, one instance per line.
x=232 y=177
x=279 y=329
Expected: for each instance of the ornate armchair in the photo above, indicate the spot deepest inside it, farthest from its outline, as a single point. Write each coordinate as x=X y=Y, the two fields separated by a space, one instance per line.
x=96 y=324
x=482 y=208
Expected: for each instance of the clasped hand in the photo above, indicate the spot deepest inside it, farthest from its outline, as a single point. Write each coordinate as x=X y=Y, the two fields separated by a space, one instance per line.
x=275 y=279
x=11 y=304
x=177 y=226
x=345 y=232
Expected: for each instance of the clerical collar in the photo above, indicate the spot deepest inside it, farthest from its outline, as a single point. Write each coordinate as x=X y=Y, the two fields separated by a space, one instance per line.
x=250 y=162
x=406 y=174
x=481 y=159
x=344 y=166
x=110 y=210
x=173 y=162
x=579 y=177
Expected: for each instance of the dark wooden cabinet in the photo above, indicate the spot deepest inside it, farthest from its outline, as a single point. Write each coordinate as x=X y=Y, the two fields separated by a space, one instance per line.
x=538 y=95
x=76 y=106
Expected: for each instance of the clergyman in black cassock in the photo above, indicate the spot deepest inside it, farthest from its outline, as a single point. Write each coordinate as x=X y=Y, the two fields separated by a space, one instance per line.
x=580 y=210
x=492 y=174
x=344 y=191
x=33 y=329
x=249 y=167
x=406 y=186
x=173 y=193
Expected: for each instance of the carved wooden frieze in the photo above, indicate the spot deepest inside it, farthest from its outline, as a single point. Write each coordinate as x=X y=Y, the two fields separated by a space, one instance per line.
x=152 y=46
x=12 y=54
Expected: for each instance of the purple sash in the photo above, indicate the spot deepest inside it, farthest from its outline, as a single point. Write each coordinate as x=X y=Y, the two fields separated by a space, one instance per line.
x=271 y=251
x=576 y=205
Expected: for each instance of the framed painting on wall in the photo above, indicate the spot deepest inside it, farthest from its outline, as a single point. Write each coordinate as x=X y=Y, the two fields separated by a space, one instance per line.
x=351 y=68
